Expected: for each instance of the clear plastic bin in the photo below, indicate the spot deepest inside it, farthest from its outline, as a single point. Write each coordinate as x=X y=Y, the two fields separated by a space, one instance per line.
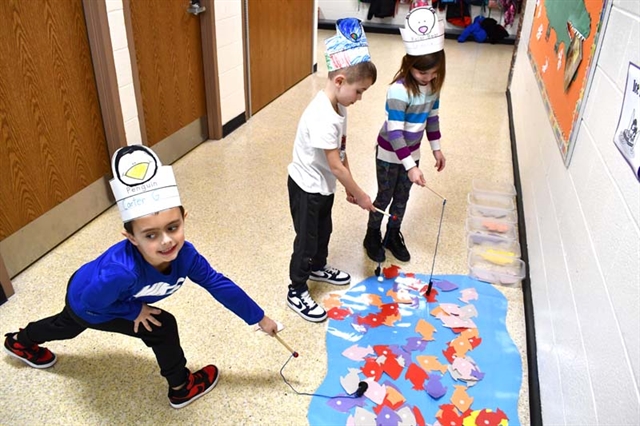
x=491 y=227
x=492 y=213
x=499 y=188
x=507 y=274
x=494 y=201
x=480 y=243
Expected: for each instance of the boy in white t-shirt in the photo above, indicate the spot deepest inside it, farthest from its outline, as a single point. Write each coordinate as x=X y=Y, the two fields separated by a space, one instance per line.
x=319 y=159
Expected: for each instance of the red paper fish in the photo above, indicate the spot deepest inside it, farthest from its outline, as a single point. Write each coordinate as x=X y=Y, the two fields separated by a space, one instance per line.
x=391 y=272
x=338 y=313
x=392 y=367
x=475 y=341
x=389 y=309
x=371 y=369
x=448 y=415
x=488 y=418
x=419 y=417
x=450 y=354
x=431 y=298
x=410 y=275
x=372 y=320
x=416 y=376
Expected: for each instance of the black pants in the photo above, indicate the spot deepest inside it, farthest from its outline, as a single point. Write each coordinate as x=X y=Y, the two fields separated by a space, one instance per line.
x=394 y=187
x=163 y=340
x=311 y=214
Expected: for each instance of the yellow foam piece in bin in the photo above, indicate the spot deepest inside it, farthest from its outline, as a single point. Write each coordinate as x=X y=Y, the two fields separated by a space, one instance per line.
x=499 y=257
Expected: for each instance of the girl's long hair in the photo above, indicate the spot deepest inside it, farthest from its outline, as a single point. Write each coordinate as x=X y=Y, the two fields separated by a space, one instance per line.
x=422 y=63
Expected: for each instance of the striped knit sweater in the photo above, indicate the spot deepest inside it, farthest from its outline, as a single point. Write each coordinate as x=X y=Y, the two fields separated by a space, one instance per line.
x=407 y=118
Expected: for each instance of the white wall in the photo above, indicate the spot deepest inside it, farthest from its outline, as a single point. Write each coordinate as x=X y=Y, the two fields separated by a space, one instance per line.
x=124 y=75
x=230 y=58
x=583 y=239
x=332 y=10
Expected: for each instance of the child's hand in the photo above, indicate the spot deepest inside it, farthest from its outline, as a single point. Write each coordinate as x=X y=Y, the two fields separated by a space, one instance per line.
x=364 y=201
x=440 y=160
x=145 y=317
x=268 y=325
x=416 y=176
x=351 y=198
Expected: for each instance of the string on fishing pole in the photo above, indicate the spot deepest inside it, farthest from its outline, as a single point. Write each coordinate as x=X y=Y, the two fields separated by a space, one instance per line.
x=362 y=387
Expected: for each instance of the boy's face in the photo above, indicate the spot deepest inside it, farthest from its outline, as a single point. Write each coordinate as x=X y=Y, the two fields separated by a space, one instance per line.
x=159 y=236
x=349 y=93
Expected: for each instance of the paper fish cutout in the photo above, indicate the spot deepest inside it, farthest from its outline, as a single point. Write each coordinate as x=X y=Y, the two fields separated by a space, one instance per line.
x=414 y=344
x=431 y=297
x=416 y=376
x=389 y=309
x=375 y=392
x=372 y=369
x=475 y=341
x=332 y=300
x=361 y=417
x=445 y=285
x=391 y=319
x=407 y=418
x=455 y=322
x=392 y=367
x=387 y=417
x=451 y=309
x=346 y=404
x=430 y=363
x=391 y=272
x=434 y=387
x=468 y=311
x=350 y=381
x=372 y=320
x=410 y=274
x=469 y=294
x=437 y=311
x=461 y=346
x=357 y=353
x=425 y=329
x=419 y=417
x=461 y=399
x=495 y=226
x=450 y=354
x=394 y=398
x=339 y=314
x=447 y=415
x=375 y=300
x=401 y=296
x=486 y=417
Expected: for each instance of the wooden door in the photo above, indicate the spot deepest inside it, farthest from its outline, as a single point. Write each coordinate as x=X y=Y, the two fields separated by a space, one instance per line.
x=168 y=53
x=52 y=142
x=280 y=47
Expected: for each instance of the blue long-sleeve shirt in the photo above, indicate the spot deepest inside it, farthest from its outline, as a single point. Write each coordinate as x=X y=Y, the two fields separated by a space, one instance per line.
x=118 y=282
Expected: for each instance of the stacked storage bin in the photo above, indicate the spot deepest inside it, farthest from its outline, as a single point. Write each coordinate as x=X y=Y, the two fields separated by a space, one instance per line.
x=492 y=234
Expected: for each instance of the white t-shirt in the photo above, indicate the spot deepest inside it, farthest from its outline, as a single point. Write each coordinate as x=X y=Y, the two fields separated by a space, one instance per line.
x=320 y=128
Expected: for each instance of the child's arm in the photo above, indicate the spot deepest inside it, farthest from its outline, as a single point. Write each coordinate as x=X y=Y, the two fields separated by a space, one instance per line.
x=433 y=135
x=343 y=174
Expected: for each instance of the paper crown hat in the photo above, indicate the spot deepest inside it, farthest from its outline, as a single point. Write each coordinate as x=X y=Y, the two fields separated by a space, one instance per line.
x=141 y=184
x=423 y=32
x=348 y=47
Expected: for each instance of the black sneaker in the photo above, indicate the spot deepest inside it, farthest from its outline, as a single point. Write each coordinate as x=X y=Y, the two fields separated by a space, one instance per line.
x=395 y=242
x=198 y=384
x=330 y=275
x=35 y=356
x=301 y=302
x=373 y=244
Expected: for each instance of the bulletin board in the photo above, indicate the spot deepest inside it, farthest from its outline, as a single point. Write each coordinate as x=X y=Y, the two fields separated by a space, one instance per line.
x=562 y=47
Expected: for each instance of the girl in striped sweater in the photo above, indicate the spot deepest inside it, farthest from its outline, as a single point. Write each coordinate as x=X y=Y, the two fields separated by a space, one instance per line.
x=412 y=104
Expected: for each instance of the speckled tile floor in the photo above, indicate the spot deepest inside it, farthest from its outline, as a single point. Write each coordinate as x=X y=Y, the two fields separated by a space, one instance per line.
x=235 y=192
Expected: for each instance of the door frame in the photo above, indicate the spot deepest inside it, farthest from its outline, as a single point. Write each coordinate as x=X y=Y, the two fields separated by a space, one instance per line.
x=184 y=140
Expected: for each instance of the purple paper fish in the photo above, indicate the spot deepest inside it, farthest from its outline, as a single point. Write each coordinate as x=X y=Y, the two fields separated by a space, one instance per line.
x=477 y=374
x=414 y=344
x=344 y=405
x=387 y=417
x=445 y=285
x=434 y=387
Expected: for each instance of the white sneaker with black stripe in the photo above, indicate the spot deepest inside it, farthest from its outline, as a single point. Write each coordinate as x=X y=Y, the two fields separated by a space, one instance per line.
x=330 y=275
x=305 y=306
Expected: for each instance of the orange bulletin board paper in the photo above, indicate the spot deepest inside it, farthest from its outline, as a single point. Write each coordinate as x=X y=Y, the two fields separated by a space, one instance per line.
x=563 y=41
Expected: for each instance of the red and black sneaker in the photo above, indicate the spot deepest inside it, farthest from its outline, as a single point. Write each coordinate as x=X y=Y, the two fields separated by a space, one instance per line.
x=35 y=356
x=198 y=384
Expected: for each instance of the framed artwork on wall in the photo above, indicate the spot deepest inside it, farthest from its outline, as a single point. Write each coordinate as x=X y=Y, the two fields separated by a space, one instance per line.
x=562 y=47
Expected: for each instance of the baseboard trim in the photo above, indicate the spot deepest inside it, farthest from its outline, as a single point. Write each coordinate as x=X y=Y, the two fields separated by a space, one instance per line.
x=233 y=124
x=535 y=407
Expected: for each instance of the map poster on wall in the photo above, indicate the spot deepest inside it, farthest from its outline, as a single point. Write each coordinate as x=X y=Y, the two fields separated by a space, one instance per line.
x=563 y=41
x=626 y=135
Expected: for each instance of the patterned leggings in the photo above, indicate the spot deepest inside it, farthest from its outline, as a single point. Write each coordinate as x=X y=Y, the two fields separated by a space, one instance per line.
x=393 y=184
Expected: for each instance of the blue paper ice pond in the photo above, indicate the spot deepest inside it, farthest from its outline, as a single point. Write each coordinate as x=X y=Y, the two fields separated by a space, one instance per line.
x=497 y=356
